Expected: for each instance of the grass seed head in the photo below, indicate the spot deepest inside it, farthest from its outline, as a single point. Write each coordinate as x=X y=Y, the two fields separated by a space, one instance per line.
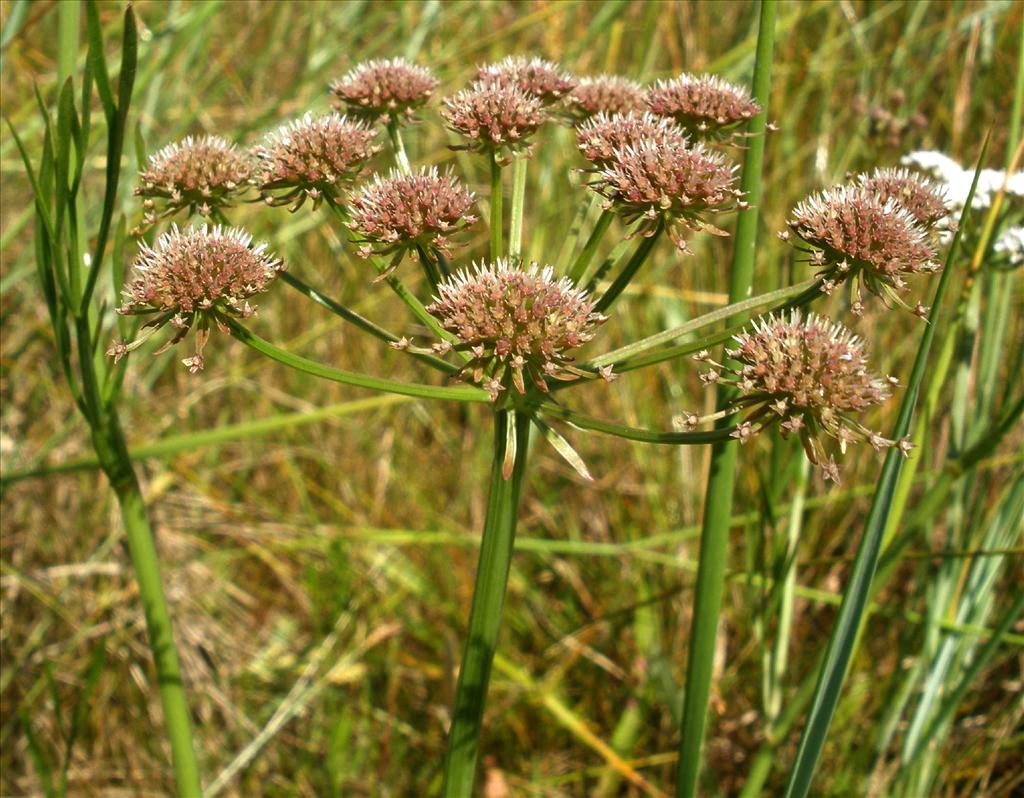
x=705 y=105
x=599 y=137
x=609 y=94
x=189 y=279
x=855 y=234
x=312 y=158
x=386 y=87
x=545 y=80
x=494 y=117
x=409 y=210
x=200 y=175
x=810 y=376
x=516 y=323
x=668 y=183
x=924 y=198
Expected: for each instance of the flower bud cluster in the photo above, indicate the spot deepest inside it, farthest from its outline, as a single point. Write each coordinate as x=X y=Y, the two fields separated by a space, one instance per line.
x=388 y=87
x=923 y=198
x=855 y=234
x=809 y=376
x=312 y=158
x=668 y=184
x=704 y=105
x=516 y=324
x=608 y=94
x=494 y=117
x=406 y=211
x=601 y=136
x=542 y=79
x=200 y=175
x=193 y=277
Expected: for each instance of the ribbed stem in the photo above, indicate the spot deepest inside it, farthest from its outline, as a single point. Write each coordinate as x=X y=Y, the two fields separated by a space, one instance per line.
x=515 y=231
x=114 y=458
x=714 y=544
x=496 y=212
x=629 y=271
x=488 y=600
x=395 y=135
x=579 y=267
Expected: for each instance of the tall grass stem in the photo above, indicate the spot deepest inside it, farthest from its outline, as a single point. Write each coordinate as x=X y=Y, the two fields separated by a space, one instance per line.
x=714 y=543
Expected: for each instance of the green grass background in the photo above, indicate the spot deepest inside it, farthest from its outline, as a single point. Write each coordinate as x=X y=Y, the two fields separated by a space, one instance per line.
x=320 y=567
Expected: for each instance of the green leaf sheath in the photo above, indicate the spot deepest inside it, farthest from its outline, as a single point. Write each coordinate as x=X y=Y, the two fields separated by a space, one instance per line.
x=485 y=614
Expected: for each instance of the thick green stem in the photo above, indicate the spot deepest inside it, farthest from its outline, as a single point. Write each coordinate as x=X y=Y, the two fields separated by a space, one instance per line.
x=714 y=544
x=114 y=458
x=488 y=599
x=579 y=266
x=395 y=135
x=515 y=231
x=496 y=212
x=629 y=271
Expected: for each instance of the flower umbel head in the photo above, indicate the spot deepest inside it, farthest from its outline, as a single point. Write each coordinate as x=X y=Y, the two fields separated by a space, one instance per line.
x=516 y=323
x=385 y=87
x=409 y=210
x=608 y=94
x=312 y=158
x=810 y=376
x=705 y=105
x=542 y=79
x=190 y=279
x=602 y=135
x=925 y=199
x=200 y=175
x=855 y=235
x=668 y=184
x=494 y=117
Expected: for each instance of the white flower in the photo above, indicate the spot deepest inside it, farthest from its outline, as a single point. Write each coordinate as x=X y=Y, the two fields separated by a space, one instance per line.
x=1011 y=244
x=958 y=180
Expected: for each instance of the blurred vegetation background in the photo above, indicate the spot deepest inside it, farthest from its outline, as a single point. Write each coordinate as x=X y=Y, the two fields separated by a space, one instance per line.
x=319 y=543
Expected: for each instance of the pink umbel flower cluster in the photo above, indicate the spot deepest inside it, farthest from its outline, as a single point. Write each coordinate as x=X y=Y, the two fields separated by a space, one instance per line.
x=406 y=211
x=517 y=324
x=809 y=376
x=601 y=136
x=854 y=234
x=923 y=198
x=387 y=87
x=545 y=80
x=199 y=175
x=608 y=94
x=494 y=117
x=312 y=158
x=704 y=105
x=190 y=278
x=668 y=184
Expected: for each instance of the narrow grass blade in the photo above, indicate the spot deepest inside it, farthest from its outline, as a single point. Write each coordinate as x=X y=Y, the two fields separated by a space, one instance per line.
x=851 y=613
